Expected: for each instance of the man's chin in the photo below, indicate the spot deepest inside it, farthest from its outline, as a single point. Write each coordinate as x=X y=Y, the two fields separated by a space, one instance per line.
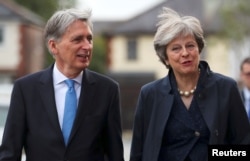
x=86 y=65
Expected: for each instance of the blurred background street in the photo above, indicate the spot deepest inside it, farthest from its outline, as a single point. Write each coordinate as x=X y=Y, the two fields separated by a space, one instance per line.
x=127 y=143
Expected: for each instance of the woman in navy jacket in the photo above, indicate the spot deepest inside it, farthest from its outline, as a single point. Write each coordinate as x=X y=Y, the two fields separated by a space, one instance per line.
x=178 y=116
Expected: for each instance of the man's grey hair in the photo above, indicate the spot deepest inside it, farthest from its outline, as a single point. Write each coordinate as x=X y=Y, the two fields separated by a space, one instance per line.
x=62 y=19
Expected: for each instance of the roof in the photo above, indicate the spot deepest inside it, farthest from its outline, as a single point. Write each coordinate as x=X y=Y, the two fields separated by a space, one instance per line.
x=145 y=22
x=11 y=10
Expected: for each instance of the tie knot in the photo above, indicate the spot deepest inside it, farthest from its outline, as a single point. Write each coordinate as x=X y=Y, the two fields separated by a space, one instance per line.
x=70 y=83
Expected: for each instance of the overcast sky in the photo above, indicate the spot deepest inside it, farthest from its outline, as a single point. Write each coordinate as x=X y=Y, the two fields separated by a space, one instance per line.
x=116 y=9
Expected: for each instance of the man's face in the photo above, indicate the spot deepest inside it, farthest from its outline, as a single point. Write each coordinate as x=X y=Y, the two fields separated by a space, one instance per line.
x=73 y=52
x=245 y=75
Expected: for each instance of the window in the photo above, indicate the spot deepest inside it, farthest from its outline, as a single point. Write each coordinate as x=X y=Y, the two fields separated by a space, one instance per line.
x=131 y=49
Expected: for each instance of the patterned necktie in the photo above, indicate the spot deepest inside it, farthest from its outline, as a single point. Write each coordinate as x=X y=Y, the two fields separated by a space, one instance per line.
x=69 y=110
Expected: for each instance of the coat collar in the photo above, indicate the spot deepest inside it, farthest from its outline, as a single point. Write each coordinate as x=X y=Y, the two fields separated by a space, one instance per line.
x=164 y=99
x=46 y=90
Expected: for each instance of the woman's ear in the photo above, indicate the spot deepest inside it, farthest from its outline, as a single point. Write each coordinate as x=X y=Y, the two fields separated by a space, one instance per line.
x=167 y=63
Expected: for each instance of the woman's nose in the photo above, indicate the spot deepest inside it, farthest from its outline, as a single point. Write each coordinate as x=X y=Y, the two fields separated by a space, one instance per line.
x=185 y=51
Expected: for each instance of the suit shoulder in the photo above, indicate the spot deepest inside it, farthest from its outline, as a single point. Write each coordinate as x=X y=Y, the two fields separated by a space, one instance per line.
x=31 y=77
x=154 y=84
x=102 y=78
x=223 y=79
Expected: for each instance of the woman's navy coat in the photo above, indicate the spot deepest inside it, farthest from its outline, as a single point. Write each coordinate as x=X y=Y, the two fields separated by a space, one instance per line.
x=219 y=102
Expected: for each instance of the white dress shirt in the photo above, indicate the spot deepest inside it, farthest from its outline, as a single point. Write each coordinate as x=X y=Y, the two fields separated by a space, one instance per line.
x=60 y=88
x=246 y=93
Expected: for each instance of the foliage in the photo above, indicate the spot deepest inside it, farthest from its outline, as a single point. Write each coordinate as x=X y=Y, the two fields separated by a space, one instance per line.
x=44 y=8
x=98 y=62
x=236 y=19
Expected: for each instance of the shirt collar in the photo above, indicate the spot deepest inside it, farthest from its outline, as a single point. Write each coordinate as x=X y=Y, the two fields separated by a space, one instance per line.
x=59 y=77
x=246 y=93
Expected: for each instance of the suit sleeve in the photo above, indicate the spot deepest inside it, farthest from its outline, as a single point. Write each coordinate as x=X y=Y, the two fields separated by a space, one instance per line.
x=239 y=128
x=14 y=132
x=114 y=145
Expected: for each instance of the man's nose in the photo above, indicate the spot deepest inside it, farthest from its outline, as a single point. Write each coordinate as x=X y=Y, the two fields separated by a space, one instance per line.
x=86 y=44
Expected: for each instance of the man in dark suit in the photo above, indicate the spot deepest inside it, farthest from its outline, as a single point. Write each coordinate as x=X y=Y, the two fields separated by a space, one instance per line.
x=245 y=78
x=36 y=119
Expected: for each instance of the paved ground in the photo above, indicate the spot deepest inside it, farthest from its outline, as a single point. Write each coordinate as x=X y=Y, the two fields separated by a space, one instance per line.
x=126 y=137
x=127 y=143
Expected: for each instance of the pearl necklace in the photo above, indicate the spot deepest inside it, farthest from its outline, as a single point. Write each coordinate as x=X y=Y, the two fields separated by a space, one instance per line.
x=187 y=93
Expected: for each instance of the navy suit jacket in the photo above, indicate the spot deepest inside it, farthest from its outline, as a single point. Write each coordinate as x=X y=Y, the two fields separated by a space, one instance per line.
x=32 y=121
x=219 y=102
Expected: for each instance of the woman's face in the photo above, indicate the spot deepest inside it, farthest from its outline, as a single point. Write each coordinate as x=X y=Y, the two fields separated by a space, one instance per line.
x=183 y=55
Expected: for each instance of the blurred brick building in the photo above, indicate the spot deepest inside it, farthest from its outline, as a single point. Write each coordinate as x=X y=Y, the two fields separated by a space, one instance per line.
x=21 y=41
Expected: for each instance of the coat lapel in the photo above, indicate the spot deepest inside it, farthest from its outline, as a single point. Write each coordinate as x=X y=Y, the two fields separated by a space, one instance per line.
x=86 y=99
x=160 y=116
x=46 y=90
x=208 y=103
x=208 y=107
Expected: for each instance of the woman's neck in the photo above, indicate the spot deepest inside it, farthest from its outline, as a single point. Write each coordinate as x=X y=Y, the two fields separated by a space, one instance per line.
x=187 y=82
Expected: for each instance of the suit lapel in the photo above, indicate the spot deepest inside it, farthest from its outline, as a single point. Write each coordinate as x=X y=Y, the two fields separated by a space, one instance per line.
x=86 y=99
x=46 y=90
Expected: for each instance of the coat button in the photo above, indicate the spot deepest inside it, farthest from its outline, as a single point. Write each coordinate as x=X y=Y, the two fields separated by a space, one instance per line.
x=197 y=133
x=216 y=132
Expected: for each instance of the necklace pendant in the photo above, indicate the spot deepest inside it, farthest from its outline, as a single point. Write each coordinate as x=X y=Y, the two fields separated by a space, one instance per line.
x=186 y=93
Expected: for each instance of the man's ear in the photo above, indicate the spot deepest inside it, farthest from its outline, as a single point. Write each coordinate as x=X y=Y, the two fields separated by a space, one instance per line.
x=52 y=46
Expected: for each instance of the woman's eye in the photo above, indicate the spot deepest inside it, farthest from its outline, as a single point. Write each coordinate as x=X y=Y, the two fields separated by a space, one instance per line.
x=176 y=48
x=190 y=46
